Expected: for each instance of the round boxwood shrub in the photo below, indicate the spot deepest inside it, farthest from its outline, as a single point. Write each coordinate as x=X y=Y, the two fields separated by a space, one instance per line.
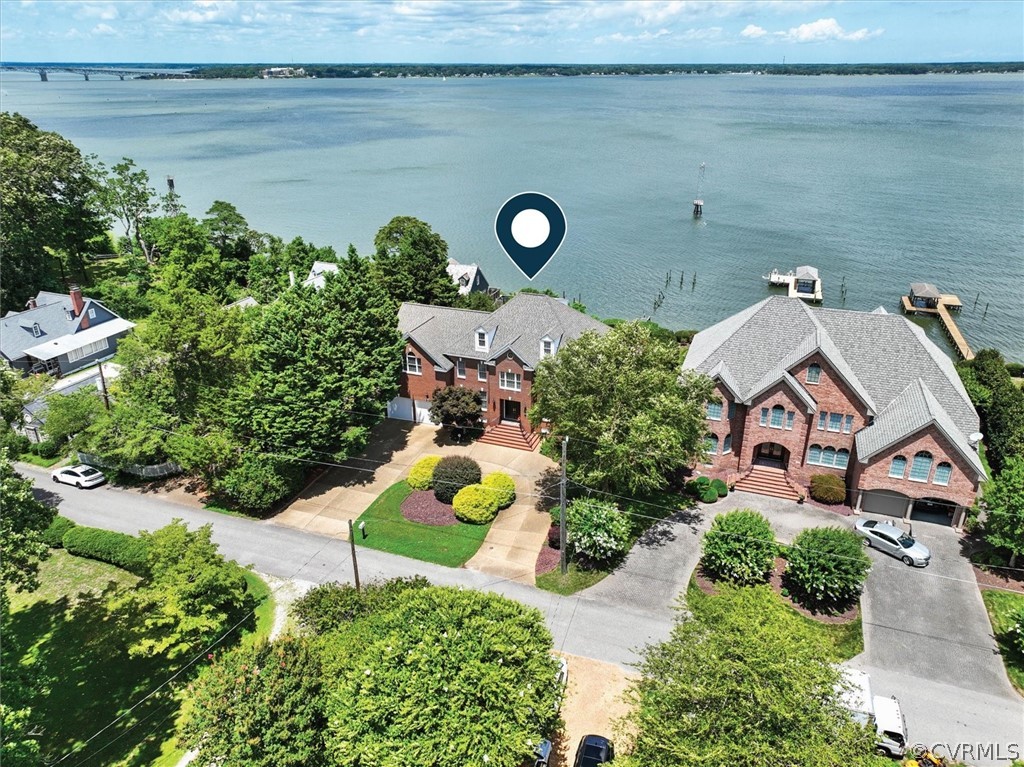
x=697 y=486
x=453 y=473
x=124 y=551
x=475 y=504
x=53 y=535
x=740 y=547
x=827 y=567
x=504 y=488
x=709 y=495
x=720 y=487
x=421 y=475
x=828 y=488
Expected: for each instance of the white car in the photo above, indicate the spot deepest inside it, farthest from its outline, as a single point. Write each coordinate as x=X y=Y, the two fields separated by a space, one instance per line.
x=79 y=476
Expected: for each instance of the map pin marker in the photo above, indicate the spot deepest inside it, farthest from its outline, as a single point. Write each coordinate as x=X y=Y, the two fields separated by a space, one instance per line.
x=530 y=228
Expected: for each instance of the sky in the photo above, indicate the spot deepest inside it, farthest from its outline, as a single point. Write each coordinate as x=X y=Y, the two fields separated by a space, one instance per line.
x=511 y=31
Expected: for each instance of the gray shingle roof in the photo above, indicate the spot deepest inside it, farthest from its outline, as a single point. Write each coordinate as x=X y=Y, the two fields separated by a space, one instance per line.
x=880 y=355
x=924 y=290
x=16 y=330
x=518 y=327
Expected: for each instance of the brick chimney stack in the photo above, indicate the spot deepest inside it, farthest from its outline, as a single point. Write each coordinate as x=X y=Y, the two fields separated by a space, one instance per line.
x=77 y=302
x=30 y=304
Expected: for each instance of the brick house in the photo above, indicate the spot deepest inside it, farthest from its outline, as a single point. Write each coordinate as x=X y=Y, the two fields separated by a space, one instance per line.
x=861 y=395
x=493 y=353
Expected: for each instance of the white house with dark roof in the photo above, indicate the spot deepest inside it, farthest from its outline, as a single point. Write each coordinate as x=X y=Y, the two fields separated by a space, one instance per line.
x=58 y=334
x=862 y=395
x=494 y=353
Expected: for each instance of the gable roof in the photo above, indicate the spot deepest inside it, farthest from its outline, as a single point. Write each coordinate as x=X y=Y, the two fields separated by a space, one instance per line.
x=464 y=275
x=517 y=327
x=17 y=336
x=879 y=355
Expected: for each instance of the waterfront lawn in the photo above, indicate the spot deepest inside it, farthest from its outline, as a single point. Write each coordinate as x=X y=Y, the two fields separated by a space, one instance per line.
x=1001 y=606
x=73 y=657
x=387 y=530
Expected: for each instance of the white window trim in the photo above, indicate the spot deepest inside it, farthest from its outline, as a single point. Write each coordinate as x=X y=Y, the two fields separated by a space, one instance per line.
x=847 y=424
x=517 y=380
x=822 y=420
x=74 y=355
x=481 y=371
x=771 y=417
x=710 y=417
x=935 y=474
x=405 y=364
x=550 y=342
x=807 y=378
x=460 y=368
x=839 y=426
x=790 y=419
x=482 y=347
x=903 y=472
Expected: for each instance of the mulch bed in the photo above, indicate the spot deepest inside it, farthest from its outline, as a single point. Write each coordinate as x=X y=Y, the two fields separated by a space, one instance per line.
x=421 y=506
x=547 y=560
x=837 y=508
x=1003 y=579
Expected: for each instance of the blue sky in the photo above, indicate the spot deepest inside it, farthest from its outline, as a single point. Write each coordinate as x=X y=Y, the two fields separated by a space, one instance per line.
x=511 y=31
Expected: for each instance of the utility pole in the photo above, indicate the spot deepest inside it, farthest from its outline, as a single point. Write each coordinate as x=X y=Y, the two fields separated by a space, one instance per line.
x=561 y=515
x=352 y=543
x=103 y=388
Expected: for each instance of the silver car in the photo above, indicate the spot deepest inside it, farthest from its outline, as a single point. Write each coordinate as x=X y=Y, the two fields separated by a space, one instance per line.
x=79 y=476
x=893 y=540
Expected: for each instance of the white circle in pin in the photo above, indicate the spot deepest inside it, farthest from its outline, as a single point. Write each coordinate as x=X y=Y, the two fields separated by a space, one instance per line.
x=530 y=228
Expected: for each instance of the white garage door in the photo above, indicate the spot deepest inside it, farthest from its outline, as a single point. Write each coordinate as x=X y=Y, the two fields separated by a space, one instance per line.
x=401 y=408
x=884 y=502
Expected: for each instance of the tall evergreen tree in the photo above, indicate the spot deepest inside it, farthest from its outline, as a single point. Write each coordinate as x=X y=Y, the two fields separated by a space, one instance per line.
x=411 y=262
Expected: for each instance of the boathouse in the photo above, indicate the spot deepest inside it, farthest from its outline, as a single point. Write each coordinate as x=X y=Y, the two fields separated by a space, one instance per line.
x=924 y=295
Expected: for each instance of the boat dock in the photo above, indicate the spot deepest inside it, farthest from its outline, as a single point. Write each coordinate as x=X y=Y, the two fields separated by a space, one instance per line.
x=924 y=298
x=803 y=283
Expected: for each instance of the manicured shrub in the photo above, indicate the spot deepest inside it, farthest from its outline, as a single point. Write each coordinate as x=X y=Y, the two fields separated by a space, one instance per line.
x=453 y=473
x=596 y=529
x=697 y=486
x=475 y=504
x=54 y=534
x=329 y=605
x=740 y=547
x=421 y=475
x=124 y=551
x=504 y=488
x=48 y=449
x=15 y=443
x=827 y=567
x=720 y=487
x=828 y=488
x=555 y=536
x=709 y=495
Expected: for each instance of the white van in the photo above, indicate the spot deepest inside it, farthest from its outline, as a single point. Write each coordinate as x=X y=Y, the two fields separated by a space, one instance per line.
x=880 y=713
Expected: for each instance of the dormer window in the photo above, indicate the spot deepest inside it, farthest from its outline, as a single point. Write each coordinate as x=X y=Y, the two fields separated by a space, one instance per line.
x=547 y=347
x=481 y=340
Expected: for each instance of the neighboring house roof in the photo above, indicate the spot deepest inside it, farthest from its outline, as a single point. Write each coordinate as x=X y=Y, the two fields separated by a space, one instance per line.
x=53 y=317
x=924 y=290
x=66 y=343
x=464 y=275
x=316 y=273
x=244 y=303
x=878 y=355
x=517 y=327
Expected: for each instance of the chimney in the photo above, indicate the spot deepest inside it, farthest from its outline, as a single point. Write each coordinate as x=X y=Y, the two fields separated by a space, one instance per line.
x=30 y=304
x=77 y=302
x=291 y=278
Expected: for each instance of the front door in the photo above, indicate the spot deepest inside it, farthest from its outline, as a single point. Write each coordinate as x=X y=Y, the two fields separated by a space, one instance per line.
x=771 y=454
x=510 y=410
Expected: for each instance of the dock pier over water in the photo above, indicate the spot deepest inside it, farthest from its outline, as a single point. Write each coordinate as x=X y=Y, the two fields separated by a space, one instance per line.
x=926 y=299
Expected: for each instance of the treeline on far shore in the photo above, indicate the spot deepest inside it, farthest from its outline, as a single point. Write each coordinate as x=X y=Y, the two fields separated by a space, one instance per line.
x=216 y=71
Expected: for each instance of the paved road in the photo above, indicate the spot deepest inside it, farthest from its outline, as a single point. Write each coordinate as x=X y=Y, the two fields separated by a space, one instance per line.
x=580 y=625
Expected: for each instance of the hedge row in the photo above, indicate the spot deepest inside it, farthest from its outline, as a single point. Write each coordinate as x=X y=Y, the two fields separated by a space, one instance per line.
x=53 y=536
x=124 y=551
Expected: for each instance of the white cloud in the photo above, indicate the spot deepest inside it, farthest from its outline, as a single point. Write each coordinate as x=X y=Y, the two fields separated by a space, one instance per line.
x=753 y=31
x=103 y=29
x=824 y=30
x=643 y=37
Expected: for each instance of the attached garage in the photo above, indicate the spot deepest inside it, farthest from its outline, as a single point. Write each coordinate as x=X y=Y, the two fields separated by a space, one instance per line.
x=887 y=502
x=407 y=409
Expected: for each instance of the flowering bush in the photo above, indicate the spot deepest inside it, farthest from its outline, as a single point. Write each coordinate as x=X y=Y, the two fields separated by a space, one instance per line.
x=739 y=547
x=827 y=567
x=596 y=529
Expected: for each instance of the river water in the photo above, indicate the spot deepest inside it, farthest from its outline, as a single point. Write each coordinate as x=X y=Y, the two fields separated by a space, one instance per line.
x=877 y=181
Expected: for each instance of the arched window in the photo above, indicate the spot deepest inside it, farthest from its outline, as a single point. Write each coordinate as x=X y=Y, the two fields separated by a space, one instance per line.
x=778 y=413
x=898 y=467
x=712 y=444
x=727 y=444
x=921 y=467
x=942 y=474
x=842 y=458
x=813 y=373
x=828 y=456
x=814 y=454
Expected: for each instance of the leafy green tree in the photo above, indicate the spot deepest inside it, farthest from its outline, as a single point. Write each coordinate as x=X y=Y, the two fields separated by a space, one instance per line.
x=740 y=547
x=741 y=680
x=1004 y=497
x=256 y=481
x=229 y=232
x=258 y=706
x=69 y=415
x=445 y=677
x=456 y=407
x=330 y=605
x=48 y=213
x=270 y=268
x=411 y=261
x=477 y=301
x=10 y=400
x=631 y=419
x=22 y=524
x=1000 y=403
x=189 y=594
x=827 y=567
x=125 y=194
x=596 y=529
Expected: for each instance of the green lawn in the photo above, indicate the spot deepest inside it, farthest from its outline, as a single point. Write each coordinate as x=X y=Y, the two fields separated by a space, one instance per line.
x=84 y=678
x=576 y=579
x=846 y=639
x=388 y=530
x=36 y=460
x=1001 y=605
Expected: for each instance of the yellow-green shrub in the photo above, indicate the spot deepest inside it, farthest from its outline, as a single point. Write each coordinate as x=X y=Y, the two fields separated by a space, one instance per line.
x=504 y=488
x=421 y=475
x=475 y=504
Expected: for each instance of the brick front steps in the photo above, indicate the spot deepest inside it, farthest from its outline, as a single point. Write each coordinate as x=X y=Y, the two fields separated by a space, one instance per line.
x=766 y=480
x=509 y=435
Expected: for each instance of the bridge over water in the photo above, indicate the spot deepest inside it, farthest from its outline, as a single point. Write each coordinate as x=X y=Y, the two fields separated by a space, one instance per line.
x=87 y=71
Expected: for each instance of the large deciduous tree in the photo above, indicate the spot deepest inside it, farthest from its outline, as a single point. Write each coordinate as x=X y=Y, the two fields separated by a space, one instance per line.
x=1004 y=497
x=21 y=533
x=630 y=417
x=126 y=195
x=456 y=407
x=48 y=212
x=411 y=262
x=741 y=680
x=68 y=415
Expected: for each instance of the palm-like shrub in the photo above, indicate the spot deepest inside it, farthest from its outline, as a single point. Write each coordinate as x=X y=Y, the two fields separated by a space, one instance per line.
x=828 y=488
x=475 y=504
x=740 y=547
x=504 y=488
x=827 y=568
x=453 y=473
x=421 y=475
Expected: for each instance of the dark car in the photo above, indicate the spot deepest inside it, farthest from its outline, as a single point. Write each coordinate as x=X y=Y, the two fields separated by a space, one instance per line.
x=594 y=750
